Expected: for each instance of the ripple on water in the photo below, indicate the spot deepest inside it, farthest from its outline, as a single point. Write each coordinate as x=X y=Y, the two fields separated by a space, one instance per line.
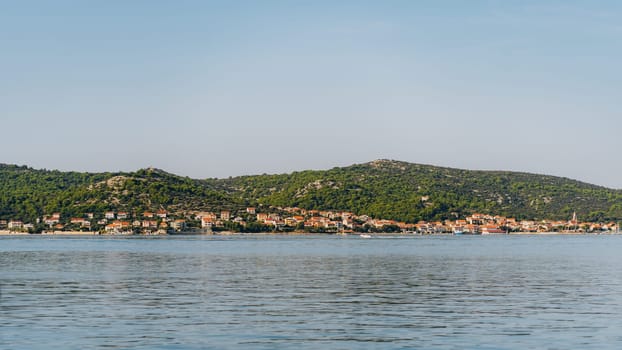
x=311 y=292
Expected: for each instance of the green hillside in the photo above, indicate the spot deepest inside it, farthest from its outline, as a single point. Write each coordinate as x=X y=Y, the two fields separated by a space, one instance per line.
x=412 y=192
x=383 y=189
x=27 y=194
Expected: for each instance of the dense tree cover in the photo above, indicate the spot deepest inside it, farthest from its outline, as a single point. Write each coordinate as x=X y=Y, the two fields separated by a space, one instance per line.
x=382 y=189
x=28 y=194
x=413 y=192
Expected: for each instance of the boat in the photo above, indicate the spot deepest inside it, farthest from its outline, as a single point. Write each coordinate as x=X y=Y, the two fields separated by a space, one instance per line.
x=364 y=235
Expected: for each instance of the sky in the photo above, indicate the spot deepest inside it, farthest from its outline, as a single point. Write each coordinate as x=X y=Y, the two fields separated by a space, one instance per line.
x=227 y=88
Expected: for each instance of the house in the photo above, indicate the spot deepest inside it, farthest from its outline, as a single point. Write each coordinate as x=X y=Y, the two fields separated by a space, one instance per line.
x=292 y=210
x=270 y=222
x=347 y=222
x=109 y=215
x=262 y=217
x=207 y=222
x=405 y=227
x=178 y=225
x=122 y=215
x=149 y=224
x=363 y=218
x=558 y=225
x=475 y=219
x=422 y=227
x=528 y=226
x=210 y=215
x=382 y=223
x=15 y=225
x=162 y=213
x=290 y=221
x=294 y=220
x=147 y=214
x=225 y=215
x=251 y=210
x=118 y=226
x=472 y=229
x=334 y=216
x=318 y=222
x=51 y=220
x=80 y=221
x=239 y=220
x=332 y=224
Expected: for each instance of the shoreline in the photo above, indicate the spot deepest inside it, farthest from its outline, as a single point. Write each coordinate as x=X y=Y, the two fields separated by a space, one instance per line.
x=231 y=233
x=69 y=233
x=12 y=233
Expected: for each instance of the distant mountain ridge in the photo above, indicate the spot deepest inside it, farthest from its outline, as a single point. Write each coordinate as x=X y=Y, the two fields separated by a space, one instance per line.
x=383 y=188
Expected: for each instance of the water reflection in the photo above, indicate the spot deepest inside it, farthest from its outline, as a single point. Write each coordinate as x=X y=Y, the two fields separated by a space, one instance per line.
x=310 y=293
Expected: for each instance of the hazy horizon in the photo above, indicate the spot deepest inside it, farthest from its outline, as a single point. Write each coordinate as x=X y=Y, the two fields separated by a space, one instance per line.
x=216 y=89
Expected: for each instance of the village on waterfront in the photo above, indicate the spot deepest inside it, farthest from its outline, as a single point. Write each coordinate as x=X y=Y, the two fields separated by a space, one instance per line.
x=272 y=219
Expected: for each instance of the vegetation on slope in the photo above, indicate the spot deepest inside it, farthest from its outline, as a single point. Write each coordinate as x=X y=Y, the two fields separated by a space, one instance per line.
x=29 y=194
x=412 y=192
x=383 y=189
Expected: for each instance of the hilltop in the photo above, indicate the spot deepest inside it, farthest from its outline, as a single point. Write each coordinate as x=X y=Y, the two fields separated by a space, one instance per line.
x=411 y=192
x=383 y=188
x=28 y=194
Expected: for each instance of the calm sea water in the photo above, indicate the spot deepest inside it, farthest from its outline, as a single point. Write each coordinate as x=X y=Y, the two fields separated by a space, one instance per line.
x=311 y=292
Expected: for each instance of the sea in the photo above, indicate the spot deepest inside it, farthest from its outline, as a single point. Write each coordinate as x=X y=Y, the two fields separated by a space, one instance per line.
x=311 y=292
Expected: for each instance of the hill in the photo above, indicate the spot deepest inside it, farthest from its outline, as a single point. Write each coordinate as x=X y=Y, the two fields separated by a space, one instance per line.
x=383 y=188
x=411 y=192
x=28 y=194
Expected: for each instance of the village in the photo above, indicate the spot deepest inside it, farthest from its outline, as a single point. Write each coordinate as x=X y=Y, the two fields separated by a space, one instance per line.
x=277 y=219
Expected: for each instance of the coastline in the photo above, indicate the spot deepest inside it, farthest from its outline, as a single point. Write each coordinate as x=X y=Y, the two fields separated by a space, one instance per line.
x=58 y=233
x=70 y=233
x=300 y=233
x=563 y=233
x=12 y=233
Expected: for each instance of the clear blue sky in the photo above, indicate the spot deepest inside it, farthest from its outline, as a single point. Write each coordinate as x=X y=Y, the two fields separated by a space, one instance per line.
x=219 y=88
